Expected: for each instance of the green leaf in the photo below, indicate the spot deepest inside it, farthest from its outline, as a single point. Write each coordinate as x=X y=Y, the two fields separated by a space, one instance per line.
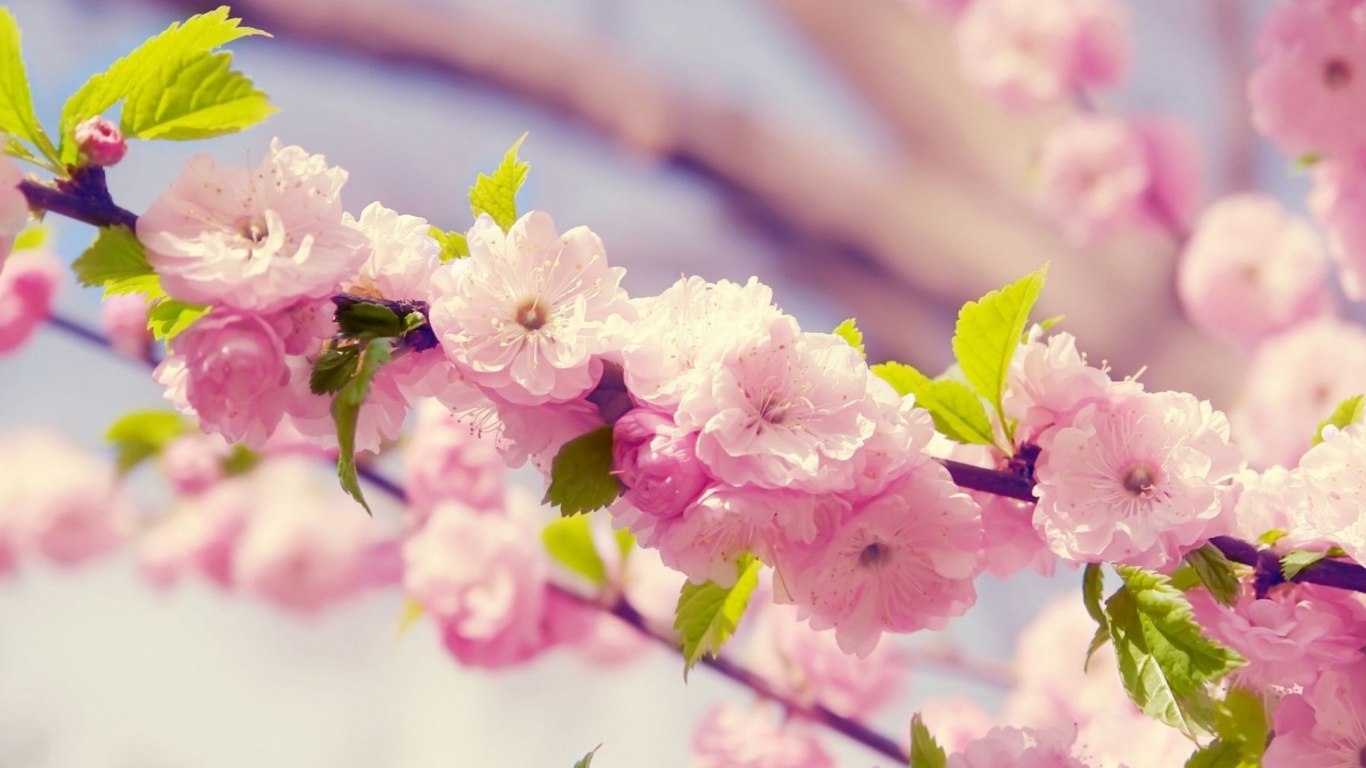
x=1185 y=578
x=142 y=435
x=17 y=117
x=988 y=332
x=496 y=195
x=925 y=751
x=1092 y=587
x=1217 y=754
x=848 y=330
x=1216 y=573
x=453 y=244
x=1047 y=324
x=1272 y=536
x=1306 y=161
x=626 y=543
x=158 y=65
x=197 y=97
x=241 y=461
x=588 y=758
x=358 y=319
x=1241 y=724
x=1295 y=561
x=16 y=149
x=333 y=368
x=1166 y=664
x=30 y=238
x=346 y=405
x=168 y=318
x=957 y=411
x=581 y=478
x=1348 y=412
x=116 y=261
x=569 y=540
x=707 y=614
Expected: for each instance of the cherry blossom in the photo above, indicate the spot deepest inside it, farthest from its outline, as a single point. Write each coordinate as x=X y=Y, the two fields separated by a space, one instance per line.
x=1338 y=202
x=100 y=141
x=27 y=285
x=1019 y=748
x=657 y=463
x=124 y=318
x=1324 y=726
x=1092 y=176
x=733 y=737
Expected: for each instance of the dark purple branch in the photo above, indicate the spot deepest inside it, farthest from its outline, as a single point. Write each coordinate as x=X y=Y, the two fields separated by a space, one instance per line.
x=991 y=481
x=83 y=197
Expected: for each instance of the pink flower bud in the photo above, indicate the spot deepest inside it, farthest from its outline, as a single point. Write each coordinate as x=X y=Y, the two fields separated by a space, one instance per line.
x=657 y=462
x=100 y=142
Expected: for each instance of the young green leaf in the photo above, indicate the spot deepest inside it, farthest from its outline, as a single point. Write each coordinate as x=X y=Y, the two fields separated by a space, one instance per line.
x=1092 y=588
x=988 y=332
x=198 y=98
x=30 y=237
x=17 y=117
x=117 y=261
x=148 y=69
x=925 y=751
x=956 y=409
x=168 y=318
x=142 y=435
x=1348 y=412
x=1166 y=664
x=358 y=319
x=1295 y=561
x=848 y=330
x=587 y=760
x=569 y=540
x=496 y=195
x=1218 y=754
x=333 y=368
x=707 y=614
x=346 y=405
x=1241 y=725
x=453 y=244
x=1216 y=573
x=581 y=478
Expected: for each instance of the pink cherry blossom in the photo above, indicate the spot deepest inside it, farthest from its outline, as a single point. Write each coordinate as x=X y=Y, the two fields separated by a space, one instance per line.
x=539 y=432
x=1176 y=185
x=1334 y=472
x=707 y=539
x=253 y=239
x=402 y=256
x=1020 y=748
x=782 y=409
x=1050 y=380
x=810 y=667
x=59 y=501
x=676 y=336
x=901 y=434
x=736 y=737
x=304 y=546
x=1338 y=202
x=902 y=561
x=1275 y=500
x=230 y=371
x=1139 y=480
x=1032 y=53
x=656 y=462
x=1295 y=381
x=1092 y=176
x=1324 y=726
x=100 y=141
x=1308 y=91
x=27 y=285
x=13 y=207
x=482 y=579
x=1289 y=636
x=124 y=319
x=201 y=533
x=1251 y=270
x=523 y=316
x=194 y=461
x=955 y=722
x=447 y=459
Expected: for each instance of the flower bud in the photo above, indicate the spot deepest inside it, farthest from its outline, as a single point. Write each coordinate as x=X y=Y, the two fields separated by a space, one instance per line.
x=657 y=462
x=100 y=142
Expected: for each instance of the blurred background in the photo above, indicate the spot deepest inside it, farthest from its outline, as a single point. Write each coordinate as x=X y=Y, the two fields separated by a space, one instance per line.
x=828 y=147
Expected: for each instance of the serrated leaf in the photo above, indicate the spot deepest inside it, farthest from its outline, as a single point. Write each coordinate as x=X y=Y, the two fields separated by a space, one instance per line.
x=453 y=244
x=848 y=330
x=989 y=330
x=1165 y=662
x=1241 y=724
x=17 y=117
x=16 y=149
x=346 y=405
x=141 y=435
x=147 y=68
x=197 y=97
x=957 y=412
x=411 y=613
x=169 y=318
x=1185 y=578
x=587 y=760
x=1348 y=412
x=117 y=262
x=581 y=478
x=569 y=540
x=365 y=319
x=1092 y=590
x=707 y=614
x=925 y=751
x=1216 y=573
x=333 y=368
x=1295 y=561
x=496 y=195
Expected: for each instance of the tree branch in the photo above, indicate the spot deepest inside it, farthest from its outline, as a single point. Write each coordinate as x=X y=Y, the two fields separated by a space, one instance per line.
x=84 y=197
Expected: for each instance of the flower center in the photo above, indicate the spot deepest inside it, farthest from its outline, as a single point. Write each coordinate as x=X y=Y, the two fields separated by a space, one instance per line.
x=872 y=555
x=1141 y=481
x=252 y=228
x=775 y=411
x=1337 y=74
x=532 y=315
